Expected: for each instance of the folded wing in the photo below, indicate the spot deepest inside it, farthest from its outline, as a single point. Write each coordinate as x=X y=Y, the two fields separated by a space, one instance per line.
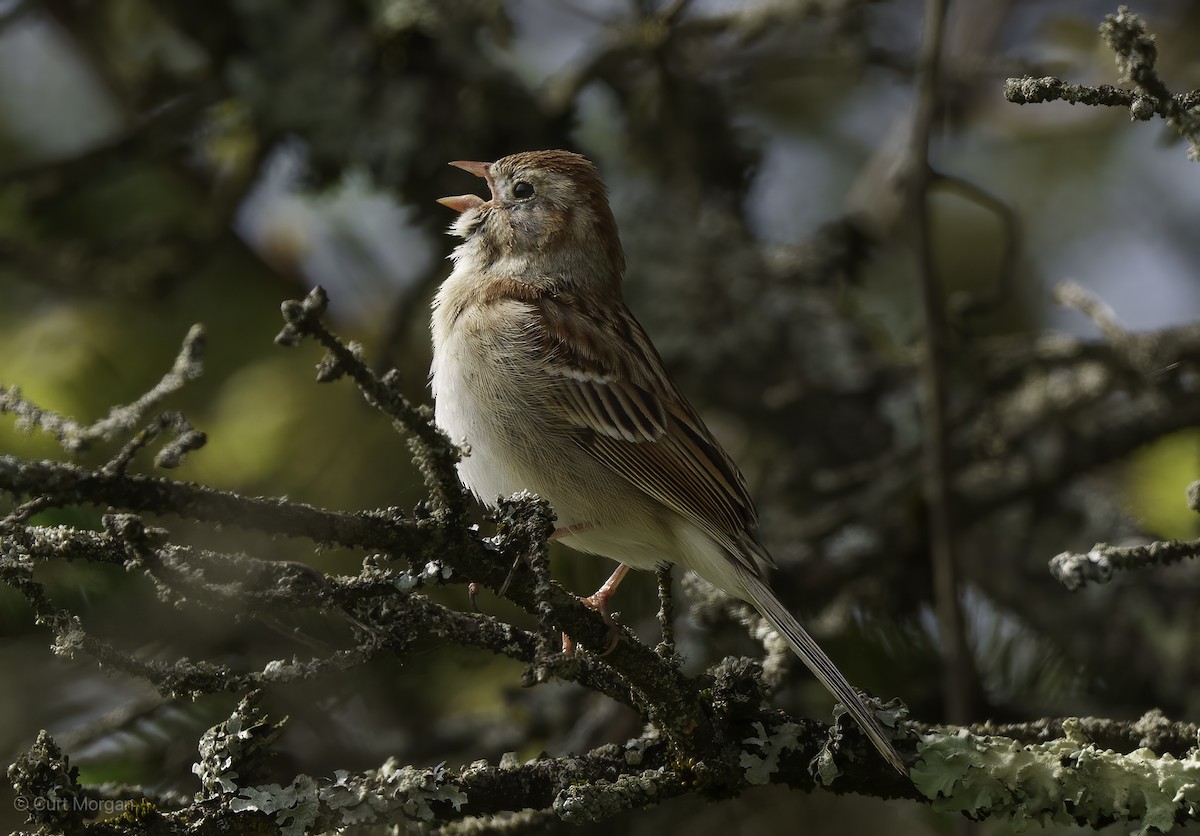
x=607 y=381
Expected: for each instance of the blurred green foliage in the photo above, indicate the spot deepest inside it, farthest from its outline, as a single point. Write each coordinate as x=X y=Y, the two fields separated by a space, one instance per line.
x=168 y=163
x=1157 y=477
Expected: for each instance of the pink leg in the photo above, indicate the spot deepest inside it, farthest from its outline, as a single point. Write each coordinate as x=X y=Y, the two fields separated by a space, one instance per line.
x=598 y=601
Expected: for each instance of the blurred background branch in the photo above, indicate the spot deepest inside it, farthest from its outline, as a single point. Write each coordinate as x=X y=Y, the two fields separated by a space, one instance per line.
x=164 y=163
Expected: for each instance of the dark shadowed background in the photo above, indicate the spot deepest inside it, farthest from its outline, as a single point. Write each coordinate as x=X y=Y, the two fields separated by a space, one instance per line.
x=169 y=163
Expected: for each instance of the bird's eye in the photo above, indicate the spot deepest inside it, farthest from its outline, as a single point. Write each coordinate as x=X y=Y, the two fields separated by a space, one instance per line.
x=522 y=190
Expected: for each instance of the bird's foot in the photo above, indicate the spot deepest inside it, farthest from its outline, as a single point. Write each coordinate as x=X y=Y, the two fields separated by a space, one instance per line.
x=598 y=601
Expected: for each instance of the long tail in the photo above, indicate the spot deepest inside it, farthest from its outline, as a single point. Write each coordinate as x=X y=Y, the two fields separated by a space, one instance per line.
x=773 y=610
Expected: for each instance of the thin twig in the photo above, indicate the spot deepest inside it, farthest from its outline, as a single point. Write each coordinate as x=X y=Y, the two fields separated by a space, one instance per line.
x=1075 y=571
x=1153 y=730
x=433 y=453
x=666 y=613
x=75 y=437
x=1029 y=90
x=1136 y=54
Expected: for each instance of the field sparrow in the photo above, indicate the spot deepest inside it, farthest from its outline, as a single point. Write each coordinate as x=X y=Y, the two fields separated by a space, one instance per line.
x=541 y=369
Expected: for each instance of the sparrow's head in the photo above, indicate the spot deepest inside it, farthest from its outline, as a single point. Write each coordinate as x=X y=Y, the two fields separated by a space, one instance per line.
x=547 y=219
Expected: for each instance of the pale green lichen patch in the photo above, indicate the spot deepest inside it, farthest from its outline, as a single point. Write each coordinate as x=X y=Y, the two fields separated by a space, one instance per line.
x=69 y=637
x=387 y=794
x=412 y=791
x=761 y=765
x=635 y=750
x=230 y=753
x=232 y=750
x=600 y=800
x=294 y=807
x=1065 y=781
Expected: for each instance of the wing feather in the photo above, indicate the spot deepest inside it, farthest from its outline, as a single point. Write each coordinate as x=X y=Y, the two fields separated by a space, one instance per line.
x=609 y=383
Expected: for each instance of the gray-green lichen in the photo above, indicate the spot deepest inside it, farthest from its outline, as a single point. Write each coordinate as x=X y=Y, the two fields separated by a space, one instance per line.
x=635 y=749
x=769 y=746
x=599 y=800
x=404 y=790
x=231 y=753
x=294 y=807
x=760 y=766
x=232 y=750
x=69 y=638
x=282 y=670
x=1064 y=781
x=47 y=787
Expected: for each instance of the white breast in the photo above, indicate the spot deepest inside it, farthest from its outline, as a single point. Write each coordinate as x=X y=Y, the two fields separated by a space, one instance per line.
x=477 y=397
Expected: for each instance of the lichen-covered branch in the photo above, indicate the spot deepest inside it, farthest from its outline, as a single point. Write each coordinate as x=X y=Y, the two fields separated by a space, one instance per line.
x=1136 y=54
x=1031 y=90
x=1075 y=571
x=1153 y=730
x=75 y=437
x=434 y=454
x=714 y=734
x=1066 y=779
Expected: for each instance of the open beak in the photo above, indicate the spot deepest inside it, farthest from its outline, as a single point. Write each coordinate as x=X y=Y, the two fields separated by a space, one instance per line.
x=463 y=202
